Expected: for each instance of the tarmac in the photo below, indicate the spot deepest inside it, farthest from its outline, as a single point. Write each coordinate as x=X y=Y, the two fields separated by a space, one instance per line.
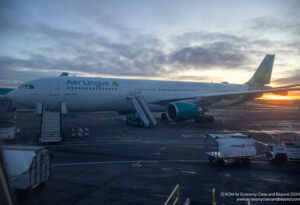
x=121 y=164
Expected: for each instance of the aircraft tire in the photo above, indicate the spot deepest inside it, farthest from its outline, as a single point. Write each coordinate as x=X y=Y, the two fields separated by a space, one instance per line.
x=220 y=162
x=280 y=158
x=200 y=119
x=246 y=161
x=163 y=116
x=210 y=119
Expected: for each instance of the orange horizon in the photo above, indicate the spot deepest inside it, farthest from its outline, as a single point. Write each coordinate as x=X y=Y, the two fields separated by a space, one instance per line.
x=279 y=97
x=293 y=95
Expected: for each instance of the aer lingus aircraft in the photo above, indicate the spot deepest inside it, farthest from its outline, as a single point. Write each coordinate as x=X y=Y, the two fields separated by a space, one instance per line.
x=177 y=101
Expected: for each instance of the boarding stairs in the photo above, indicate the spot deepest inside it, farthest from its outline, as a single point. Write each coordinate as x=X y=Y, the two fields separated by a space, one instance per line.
x=142 y=109
x=51 y=129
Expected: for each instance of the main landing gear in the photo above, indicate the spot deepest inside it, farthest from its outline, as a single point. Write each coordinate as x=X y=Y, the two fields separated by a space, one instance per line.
x=163 y=116
x=204 y=119
x=199 y=119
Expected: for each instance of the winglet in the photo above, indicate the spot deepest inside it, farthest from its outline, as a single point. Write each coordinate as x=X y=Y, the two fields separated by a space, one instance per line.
x=263 y=73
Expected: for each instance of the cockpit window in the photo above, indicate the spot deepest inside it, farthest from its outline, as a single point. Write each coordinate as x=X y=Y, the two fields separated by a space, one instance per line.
x=26 y=86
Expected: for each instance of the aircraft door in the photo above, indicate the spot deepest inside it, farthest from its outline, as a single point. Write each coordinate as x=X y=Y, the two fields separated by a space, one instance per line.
x=54 y=87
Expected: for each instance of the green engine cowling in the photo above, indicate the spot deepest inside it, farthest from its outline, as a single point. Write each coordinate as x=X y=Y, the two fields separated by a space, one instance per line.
x=180 y=111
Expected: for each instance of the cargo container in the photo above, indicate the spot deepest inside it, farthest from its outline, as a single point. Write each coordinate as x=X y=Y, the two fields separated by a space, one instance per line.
x=226 y=148
x=27 y=167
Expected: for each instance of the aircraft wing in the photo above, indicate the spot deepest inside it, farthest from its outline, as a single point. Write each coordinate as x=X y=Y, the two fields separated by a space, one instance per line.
x=225 y=94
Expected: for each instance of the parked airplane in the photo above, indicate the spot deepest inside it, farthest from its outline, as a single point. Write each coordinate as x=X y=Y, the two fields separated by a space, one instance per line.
x=177 y=100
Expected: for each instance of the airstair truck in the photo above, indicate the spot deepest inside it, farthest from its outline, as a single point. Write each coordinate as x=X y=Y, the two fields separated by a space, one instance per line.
x=27 y=167
x=228 y=148
x=287 y=148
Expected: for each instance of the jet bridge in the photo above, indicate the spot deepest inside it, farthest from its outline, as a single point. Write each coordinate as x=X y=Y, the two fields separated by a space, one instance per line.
x=142 y=109
x=51 y=129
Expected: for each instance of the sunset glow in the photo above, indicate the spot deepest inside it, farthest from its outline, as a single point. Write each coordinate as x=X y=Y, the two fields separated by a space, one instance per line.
x=279 y=97
x=292 y=95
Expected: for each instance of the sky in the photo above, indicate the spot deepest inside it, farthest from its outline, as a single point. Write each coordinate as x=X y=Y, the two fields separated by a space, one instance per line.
x=168 y=40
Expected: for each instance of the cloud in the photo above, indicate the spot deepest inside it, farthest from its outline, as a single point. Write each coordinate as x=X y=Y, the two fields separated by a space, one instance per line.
x=137 y=55
x=289 y=26
x=88 y=52
x=14 y=77
x=46 y=47
x=197 y=78
x=294 y=78
x=219 y=54
x=190 y=38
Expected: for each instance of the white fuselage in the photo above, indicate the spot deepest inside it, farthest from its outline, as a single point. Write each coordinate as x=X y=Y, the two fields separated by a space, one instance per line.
x=111 y=94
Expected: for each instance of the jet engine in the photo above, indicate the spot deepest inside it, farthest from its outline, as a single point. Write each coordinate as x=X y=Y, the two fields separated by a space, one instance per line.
x=180 y=111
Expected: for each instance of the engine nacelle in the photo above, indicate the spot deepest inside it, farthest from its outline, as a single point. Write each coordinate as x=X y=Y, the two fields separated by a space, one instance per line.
x=179 y=111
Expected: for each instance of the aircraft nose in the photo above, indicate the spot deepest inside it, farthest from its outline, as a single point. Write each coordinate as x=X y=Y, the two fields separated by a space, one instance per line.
x=11 y=95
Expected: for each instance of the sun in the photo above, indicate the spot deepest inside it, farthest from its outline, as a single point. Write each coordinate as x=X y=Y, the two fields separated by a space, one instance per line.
x=279 y=97
x=275 y=97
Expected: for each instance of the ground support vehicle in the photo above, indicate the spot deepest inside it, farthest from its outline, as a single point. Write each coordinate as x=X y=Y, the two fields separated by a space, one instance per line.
x=229 y=148
x=286 y=149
